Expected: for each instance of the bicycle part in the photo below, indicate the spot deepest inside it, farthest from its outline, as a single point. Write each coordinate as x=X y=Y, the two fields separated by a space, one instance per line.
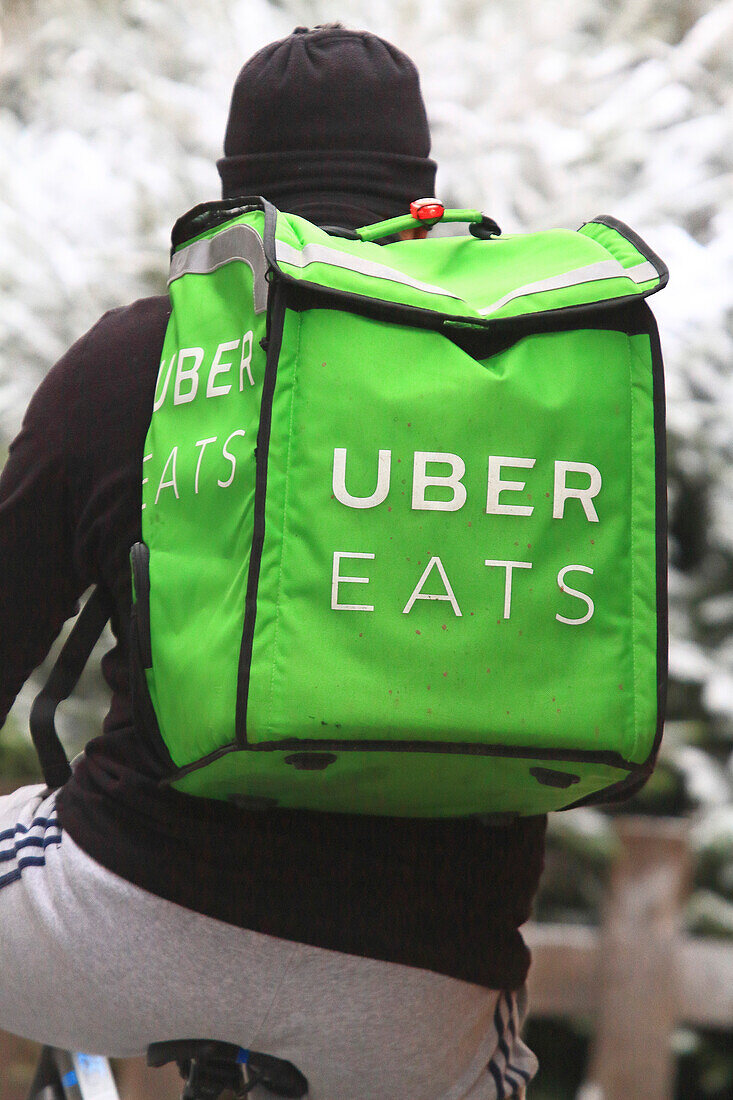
x=209 y=1067
x=72 y=1075
x=280 y=1077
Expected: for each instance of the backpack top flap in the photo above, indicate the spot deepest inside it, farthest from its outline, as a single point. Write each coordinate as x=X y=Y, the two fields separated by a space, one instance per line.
x=416 y=567
x=478 y=281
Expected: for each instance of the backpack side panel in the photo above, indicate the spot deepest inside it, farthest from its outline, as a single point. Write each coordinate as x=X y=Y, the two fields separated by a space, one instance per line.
x=198 y=507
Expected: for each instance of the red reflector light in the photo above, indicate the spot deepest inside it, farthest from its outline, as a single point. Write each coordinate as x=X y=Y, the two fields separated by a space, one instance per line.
x=427 y=209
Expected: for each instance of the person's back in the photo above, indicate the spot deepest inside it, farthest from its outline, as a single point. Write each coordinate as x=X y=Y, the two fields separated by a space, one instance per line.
x=363 y=949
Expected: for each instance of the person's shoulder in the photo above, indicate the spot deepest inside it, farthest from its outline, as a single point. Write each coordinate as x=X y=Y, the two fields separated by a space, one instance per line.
x=141 y=323
x=118 y=356
x=122 y=348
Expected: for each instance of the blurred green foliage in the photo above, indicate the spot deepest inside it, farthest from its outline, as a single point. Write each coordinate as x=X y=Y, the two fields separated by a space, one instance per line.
x=18 y=761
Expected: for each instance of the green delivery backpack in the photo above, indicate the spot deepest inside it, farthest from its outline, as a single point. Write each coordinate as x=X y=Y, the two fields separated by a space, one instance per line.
x=403 y=518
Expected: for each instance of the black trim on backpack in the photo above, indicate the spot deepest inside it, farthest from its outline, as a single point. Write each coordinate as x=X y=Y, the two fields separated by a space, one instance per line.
x=141 y=658
x=140 y=563
x=268 y=235
x=208 y=215
x=273 y=338
x=619 y=792
x=303 y=745
x=638 y=243
x=303 y=296
x=483 y=343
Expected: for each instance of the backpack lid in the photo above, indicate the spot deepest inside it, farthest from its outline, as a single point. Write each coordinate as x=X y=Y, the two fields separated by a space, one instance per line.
x=453 y=278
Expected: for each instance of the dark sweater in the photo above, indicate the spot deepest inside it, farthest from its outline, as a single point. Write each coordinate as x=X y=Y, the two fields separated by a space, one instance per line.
x=448 y=896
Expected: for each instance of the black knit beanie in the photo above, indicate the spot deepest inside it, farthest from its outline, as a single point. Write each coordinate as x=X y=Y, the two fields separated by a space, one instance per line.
x=330 y=124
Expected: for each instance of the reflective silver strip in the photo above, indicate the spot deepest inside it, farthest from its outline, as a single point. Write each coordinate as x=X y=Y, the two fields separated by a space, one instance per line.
x=321 y=254
x=642 y=273
x=592 y=273
x=239 y=242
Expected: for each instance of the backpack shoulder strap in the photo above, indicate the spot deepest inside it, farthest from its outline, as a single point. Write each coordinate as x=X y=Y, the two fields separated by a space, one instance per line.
x=61 y=682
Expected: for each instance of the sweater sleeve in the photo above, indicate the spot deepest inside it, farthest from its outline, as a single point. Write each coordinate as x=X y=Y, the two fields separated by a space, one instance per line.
x=70 y=493
x=39 y=587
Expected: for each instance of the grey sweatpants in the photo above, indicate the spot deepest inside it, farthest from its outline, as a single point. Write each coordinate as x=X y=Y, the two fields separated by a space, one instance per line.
x=90 y=962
